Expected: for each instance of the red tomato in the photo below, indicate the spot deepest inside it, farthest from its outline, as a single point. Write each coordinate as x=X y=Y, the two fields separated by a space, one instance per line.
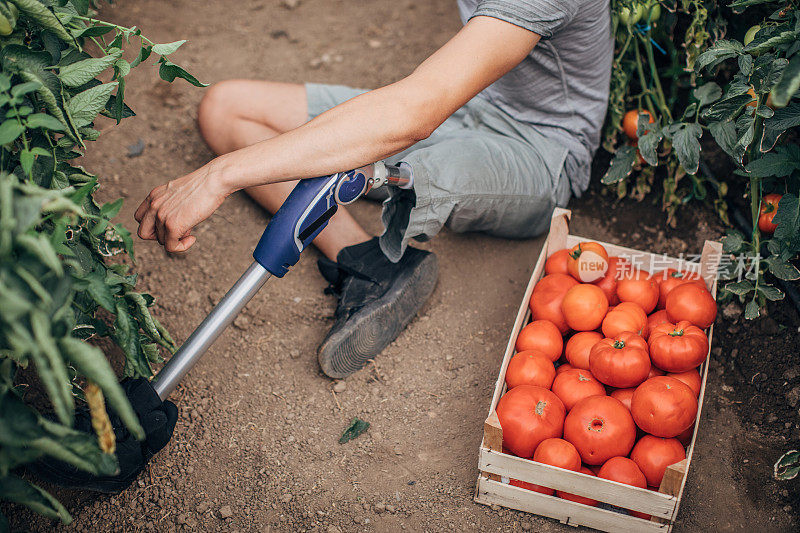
x=623 y=470
x=630 y=122
x=623 y=395
x=546 y=299
x=584 y=307
x=578 y=348
x=587 y=261
x=657 y=318
x=670 y=278
x=530 y=367
x=600 y=427
x=640 y=288
x=557 y=263
x=654 y=371
x=685 y=438
x=677 y=347
x=529 y=414
x=664 y=406
x=553 y=452
x=627 y=316
x=769 y=206
x=575 y=385
x=608 y=283
x=563 y=367
x=574 y=497
x=620 y=362
x=543 y=336
x=654 y=454
x=691 y=378
x=693 y=303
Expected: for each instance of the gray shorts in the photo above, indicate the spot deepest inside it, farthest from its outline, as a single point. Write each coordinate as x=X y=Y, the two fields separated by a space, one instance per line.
x=481 y=170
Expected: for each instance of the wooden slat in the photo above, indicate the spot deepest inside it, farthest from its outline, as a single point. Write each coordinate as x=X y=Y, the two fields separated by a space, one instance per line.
x=619 y=494
x=559 y=230
x=492 y=492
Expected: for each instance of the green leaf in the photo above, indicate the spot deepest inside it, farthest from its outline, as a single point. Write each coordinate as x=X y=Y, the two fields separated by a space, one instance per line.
x=126 y=334
x=732 y=242
x=783 y=119
x=686 y=142
x=780 y=163
x=789 y=83
x=770 y=292
x=91 y=362
x=648 y=145
x=721 y=50
x=168 y=48
x=32 y=66
x=752 y=310
x=85 y=106
x=39 y=246
x=17 y=490
x=724 y=133
x=787 y=218
x=144 y=53
x=740 y=288
x=79 y=73
x=25 y=88
x=169 y=71
x=708 y=93
x=43 y=120
x=356 y=428
x=10 y=130
x=95 y=31
x=783 y=269
x=788 y=466
x=45 y=18
x=51 y=368
x=26 y=158
x=727 y=108
x=621 y=166
x=763 y=44
x=81 y=6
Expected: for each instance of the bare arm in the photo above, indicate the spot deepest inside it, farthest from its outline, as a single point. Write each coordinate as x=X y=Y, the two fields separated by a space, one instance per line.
x=364 y=129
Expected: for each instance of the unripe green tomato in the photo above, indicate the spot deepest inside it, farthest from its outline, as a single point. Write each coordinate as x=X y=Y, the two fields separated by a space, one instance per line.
x=628 y=17
x=8 y=18
x=751 y=34
x=655 y=12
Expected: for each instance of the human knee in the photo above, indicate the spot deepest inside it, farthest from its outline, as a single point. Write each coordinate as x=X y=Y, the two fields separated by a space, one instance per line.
x=217 y=105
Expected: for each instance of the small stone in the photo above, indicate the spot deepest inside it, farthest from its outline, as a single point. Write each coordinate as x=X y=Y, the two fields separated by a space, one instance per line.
x=340 y=387
x=793 y=396
x=526 y=526
x=286 y=498
x=380 y=507
x=294 y=353
x=787 y=508
x=727 y=388
x=203 y=506
x=374 y=43
x=180 y=519
x=334 y=529
x=241 y=322
x=391 y=508
x=792 y=373
x=731 y=311
x=225 y=512
x=290 y=4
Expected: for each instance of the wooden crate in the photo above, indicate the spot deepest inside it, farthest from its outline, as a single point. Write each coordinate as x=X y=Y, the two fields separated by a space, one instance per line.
x=497 y=467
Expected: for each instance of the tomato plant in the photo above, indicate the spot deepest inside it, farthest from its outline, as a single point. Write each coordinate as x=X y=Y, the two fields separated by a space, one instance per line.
x=59 y=287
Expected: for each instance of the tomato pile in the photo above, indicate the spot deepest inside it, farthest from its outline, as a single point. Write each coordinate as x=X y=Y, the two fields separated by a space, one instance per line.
x=606 y=377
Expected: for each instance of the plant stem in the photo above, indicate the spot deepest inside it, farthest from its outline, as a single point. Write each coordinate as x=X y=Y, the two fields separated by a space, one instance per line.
x=648 y=48
x=117 y=26
x=643 y=80
x=755 y=190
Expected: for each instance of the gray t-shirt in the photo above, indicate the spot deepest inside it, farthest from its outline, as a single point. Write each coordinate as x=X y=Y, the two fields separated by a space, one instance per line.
x=562 y=86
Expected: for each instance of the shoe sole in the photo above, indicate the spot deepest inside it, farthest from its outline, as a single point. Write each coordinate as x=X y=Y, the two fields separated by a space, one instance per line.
x=375 y=326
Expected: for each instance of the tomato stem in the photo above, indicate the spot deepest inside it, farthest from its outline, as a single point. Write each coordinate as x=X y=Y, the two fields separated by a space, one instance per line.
x=619 y=344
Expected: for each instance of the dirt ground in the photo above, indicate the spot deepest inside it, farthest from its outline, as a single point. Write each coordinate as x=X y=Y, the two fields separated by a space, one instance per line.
x=255 y=448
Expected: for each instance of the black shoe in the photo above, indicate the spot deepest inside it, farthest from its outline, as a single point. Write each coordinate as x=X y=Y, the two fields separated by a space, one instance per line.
x=377 y=299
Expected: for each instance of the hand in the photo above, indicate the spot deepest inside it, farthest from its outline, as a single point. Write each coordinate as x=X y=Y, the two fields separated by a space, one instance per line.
x=158 y=421
x=171 y=211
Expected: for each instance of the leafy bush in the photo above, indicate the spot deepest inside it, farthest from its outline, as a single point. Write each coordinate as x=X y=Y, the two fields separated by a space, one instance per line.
x=690 y=69
x=724 y=75
x=58 y=288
